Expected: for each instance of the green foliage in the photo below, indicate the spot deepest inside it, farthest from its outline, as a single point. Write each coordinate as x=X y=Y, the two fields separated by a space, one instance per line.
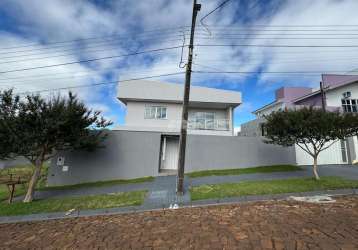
x=294 y=185
x=309 y=126
x=35 y=127
x=238 y=171
x=133 y=198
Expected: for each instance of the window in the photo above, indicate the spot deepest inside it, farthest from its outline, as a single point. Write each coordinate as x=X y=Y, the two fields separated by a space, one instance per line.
x=350 y=105
x=202 y=120
x=344 y=150
x=263 y=129
x=155 y=112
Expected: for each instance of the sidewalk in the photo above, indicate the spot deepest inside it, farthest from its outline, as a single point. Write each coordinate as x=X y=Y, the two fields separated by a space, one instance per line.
x=182 y=203
x=253 y=225
x=162 y=192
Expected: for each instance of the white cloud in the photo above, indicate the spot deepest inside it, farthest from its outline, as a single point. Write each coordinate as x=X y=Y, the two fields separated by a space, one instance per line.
x=40 y=21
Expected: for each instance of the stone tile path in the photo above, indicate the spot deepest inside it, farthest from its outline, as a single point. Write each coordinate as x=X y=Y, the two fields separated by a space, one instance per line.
x=258 y=225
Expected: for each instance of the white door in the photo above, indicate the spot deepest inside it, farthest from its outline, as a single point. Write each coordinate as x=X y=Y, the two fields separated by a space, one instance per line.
x=170 y=153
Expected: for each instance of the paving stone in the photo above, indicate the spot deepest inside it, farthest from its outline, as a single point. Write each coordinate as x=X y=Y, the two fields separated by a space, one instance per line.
x=256 y=225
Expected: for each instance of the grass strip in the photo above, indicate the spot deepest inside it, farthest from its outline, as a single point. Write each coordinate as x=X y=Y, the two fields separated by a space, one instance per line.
x=269 y=187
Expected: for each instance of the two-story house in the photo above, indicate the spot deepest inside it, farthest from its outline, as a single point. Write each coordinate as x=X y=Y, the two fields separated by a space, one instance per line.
x=157 y=107
x=147 y=144
x=340 y=94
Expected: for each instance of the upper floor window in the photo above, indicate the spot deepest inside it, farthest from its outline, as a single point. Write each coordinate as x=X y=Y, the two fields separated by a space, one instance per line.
x=202 y=120
x=350 y=105
x=155 y=112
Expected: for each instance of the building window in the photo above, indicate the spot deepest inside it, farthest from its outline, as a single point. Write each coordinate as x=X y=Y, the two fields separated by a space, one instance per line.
x=350 y=105
x=263 y=129
x=202 y=120
x=155 y=112
x=344 y=150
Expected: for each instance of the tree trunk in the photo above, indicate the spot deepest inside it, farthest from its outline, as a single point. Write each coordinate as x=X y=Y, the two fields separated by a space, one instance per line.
x=315 y=168
x=31 y=189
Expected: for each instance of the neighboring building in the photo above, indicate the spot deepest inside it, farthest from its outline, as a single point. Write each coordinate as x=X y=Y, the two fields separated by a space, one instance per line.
x=341 y=94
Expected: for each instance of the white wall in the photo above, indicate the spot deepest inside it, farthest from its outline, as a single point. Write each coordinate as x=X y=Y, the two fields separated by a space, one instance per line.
x=135 y=115
x=332 y=155
x=334 y=97
x=135 y=120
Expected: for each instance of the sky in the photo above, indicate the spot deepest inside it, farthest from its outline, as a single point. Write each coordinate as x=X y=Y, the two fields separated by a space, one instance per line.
x=37 y=33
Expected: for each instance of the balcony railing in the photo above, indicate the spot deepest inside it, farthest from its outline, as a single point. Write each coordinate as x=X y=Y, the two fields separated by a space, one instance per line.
x=209 y=124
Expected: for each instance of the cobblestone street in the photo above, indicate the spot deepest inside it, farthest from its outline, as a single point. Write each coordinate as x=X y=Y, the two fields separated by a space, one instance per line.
x=259 y=225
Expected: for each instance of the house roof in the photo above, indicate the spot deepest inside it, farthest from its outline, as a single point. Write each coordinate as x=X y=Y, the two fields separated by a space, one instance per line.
x=271 y=104
x=154 y=91
x=331 y=82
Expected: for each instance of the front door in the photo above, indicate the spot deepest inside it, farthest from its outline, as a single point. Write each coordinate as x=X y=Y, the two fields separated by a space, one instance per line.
x=170 y=153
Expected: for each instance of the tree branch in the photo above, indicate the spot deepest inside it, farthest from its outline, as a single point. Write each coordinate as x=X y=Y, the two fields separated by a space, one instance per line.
x=306 y=150
x=334 y=141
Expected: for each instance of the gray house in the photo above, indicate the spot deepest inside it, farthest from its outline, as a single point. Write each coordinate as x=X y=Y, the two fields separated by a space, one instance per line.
x=147 y=144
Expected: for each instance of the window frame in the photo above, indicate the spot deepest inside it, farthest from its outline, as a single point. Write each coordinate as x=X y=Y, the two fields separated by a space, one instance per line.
x=200 y=118
x=157 y=114
x=349 y=105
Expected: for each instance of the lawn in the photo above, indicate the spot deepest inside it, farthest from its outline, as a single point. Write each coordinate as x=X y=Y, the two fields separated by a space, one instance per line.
x=269 y=187
x=238 y=171
x=22 y=170
x=26 y=170
x=134 y=198
x=100 y=183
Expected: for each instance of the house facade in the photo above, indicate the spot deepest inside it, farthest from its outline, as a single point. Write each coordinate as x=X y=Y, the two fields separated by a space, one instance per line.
x=147 y=144
x=157 y=107
x=340 y=94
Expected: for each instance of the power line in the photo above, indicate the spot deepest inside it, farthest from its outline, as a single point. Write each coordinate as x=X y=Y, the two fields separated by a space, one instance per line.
x=247 y=34
x=50 y=79
x=275 y=38
x=297 y=60
x=283 y=30
x=277 y=46
x=268 y=72
x=211 y=12
x=102 y=83
x=96 y=44
x=62 y=55
x=91 y=60
x=302 y=25
x=92 y=38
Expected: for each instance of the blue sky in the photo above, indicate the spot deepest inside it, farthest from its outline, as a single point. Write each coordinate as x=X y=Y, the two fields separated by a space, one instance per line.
x=107 y=28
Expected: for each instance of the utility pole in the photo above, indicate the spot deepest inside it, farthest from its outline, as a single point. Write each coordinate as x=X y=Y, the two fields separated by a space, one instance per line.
x=184 y=120
x=323 y=96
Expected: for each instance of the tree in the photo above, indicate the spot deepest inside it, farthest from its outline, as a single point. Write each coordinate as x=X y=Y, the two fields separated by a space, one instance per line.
x=35 y=128
x=313 y=130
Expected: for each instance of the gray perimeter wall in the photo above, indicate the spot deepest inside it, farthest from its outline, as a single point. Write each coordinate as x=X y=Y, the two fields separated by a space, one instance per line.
x=13 y=162
x=221 y=152
x=132 y=154
x=127 y=155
